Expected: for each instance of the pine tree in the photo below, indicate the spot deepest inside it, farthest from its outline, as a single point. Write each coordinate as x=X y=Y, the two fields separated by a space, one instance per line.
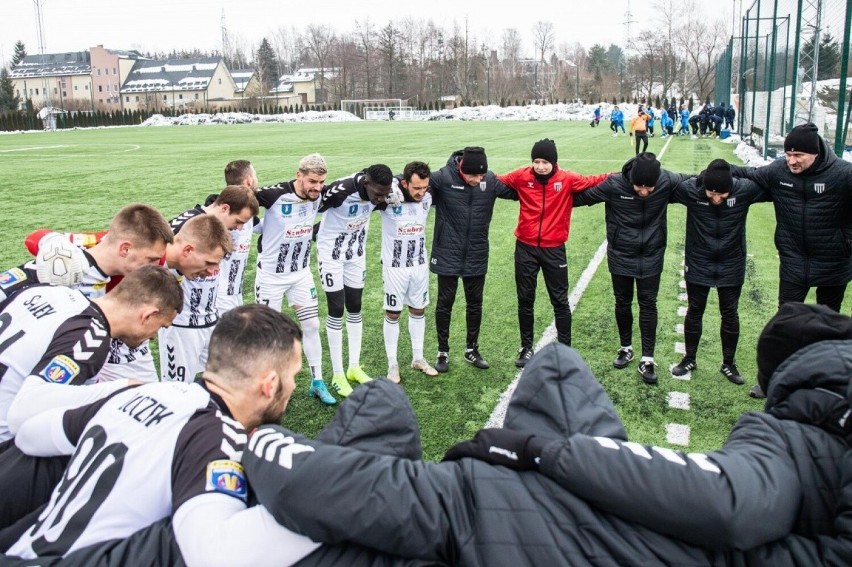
x=267 y=65
x=8 y=100
x=829 y=56
x=20 y=53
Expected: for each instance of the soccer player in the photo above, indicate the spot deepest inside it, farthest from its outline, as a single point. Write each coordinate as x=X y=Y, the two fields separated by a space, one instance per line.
x=183 y=346
x=58 y=335
x=284 y=254
x=341 y=252
x=232 y=269
x=137 y=235
x=405 y=267
x=195 y=254
x=173 y=449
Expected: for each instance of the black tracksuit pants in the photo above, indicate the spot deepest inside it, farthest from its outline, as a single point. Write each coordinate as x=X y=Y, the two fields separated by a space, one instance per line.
x=646 y=295
x=553 y=264
x=829 y=295
x=729 y=300
x=474 y=287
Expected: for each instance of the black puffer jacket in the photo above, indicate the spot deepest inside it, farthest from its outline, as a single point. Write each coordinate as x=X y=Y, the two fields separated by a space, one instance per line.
x=635 y=227
x=716 y=234
x=466 y=512
x=462 y=218
x=813 y=215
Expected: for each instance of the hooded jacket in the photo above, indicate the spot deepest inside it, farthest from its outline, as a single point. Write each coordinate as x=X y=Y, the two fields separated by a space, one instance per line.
x=813 y=218
x=462 y=219
x=636 y=230
x=716 y=234
x=469 y=512
x=544 y=217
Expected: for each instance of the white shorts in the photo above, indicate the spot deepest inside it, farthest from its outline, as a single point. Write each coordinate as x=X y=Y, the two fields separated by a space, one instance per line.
x=227 y=302
x=183 y=352
x=406 y=286
x=334 y=274
x=299 y=287
x=125 y=362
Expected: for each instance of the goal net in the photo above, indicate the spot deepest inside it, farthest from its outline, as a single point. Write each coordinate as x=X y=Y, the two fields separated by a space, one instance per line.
x=376 y=108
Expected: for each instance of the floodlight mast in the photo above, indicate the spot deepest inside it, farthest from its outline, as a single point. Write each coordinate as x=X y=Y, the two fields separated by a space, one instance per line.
x=41 y=47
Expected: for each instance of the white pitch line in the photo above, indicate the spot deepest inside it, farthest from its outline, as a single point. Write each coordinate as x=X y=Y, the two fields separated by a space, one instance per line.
x=679 y=328
x=680 y=348
x=681 y=297
x=549 y=335
x=681 y=311
x=678 y=400
x=677 y=434
x=31 y=148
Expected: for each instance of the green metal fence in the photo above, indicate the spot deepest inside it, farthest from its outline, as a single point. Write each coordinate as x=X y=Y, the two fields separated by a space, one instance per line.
x=776 y=78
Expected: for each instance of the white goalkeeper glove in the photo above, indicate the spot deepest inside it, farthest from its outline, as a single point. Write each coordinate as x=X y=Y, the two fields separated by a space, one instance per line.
x=59 y=262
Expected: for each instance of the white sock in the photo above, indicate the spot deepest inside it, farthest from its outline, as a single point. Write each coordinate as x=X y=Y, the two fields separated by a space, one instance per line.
x=354 y=330
x=648 y=359
x=334 y=332
x=311 y=344
x=391 y=331
x=417 y=330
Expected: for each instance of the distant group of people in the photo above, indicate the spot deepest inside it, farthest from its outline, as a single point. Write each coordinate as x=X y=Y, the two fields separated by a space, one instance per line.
x=708 y=121
x=171 y=450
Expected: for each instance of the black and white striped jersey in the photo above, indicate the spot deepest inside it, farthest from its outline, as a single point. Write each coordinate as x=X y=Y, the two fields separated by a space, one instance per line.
x=233 y=265
x=404 y=231
x=342 y=234
x=94 y=283
x=199 y=294
x=285 y=243
x=155 y=446
x=52 y=332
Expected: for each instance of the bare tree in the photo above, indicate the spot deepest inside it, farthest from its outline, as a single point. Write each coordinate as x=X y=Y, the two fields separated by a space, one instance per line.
x=543 y=35
x=319 y=41
x=390 y=46
x=702 y=42
x=289 y=46
x=366 y=37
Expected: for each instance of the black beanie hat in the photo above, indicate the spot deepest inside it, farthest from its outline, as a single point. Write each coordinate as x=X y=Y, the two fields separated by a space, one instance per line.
x=645 y=170
x=473 y=161
x=717 y=177
x=795 y=326
x=544 y=149
x=803 y=138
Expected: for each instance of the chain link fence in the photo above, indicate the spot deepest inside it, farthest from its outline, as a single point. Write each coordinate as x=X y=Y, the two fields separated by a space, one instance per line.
x=788 y=64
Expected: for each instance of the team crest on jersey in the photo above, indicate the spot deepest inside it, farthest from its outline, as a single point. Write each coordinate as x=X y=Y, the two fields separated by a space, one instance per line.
x=11 y=277
x=732 y=201
x=60 y=370
x=286 y=209
x=397 y=210
x=227 y=477
x=557 y=186
x=819 y=188
x=353 y=210
x=482 y=185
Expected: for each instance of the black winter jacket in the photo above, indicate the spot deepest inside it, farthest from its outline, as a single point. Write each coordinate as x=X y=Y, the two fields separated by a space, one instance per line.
x=636 y=231
x=813 y=215
x=462 y=218
x=716 y=235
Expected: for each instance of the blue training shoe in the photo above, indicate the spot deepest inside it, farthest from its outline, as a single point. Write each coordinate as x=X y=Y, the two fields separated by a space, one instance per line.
x=318 y=390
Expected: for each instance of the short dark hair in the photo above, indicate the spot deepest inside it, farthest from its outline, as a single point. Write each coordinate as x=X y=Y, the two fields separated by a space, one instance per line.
x=248 y=334
x=150 y=285
x=236 y=171
x=421 y=169
x=238 y=197
x=380 y=173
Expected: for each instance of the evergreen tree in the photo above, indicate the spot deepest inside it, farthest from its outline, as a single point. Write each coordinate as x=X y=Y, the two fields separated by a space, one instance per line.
x=8 y=100
x=20 y=53
x=267 y=65
x=829 y=56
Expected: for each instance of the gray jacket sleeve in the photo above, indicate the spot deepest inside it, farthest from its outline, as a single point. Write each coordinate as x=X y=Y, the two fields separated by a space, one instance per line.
x=744 y=495
x=394 y=505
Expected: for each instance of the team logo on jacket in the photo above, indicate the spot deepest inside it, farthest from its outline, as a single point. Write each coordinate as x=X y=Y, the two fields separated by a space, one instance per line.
x=482 y=185
x=60 y=370
x=557 y=186
x=11 y=277
x=819 y=188
x=227 y=477
x=731 y=201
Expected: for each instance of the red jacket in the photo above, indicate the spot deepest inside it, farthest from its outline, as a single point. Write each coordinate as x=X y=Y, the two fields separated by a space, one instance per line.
x=544 y=217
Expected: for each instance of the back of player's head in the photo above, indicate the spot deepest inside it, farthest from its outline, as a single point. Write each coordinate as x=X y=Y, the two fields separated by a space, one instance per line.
x=150 y=285
x=207 y=233
x=237 y=171
x=380 y=174
x=142 y=225
x=251 y=337
x=313 y=163
x=418 y=168
x=238 y=197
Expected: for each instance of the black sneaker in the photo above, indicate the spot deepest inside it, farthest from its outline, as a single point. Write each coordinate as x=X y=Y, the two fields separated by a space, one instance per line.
x=443 y=362
x=685 y=366
x=472 y=356
x=625 y=355
x=757 y=392
x=732 y=374
x=646 y=369
x=524 y=355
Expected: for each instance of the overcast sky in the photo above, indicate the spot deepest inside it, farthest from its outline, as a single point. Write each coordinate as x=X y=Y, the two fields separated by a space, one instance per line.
x=163 y=25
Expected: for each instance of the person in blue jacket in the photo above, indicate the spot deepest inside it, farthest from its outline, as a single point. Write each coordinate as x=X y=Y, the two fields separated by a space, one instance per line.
x=616 y=121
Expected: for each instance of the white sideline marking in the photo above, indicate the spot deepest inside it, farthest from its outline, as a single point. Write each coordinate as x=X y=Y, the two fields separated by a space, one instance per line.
x=31 y=148
x=678 y=400
x=549 y=335
x=680 y=348
x=677 y=434
x=681 y=297
x=681 y=311
x=681 y=284
x=679 y=328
